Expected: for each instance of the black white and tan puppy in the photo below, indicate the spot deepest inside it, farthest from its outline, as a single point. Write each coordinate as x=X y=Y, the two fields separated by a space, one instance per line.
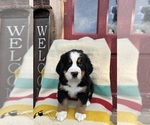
x=74 y=69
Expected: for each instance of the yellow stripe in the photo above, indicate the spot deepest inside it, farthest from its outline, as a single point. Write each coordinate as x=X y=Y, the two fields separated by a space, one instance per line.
x=19 y=108
x=96 y=116
x=16 y=72
x=139 y=123
x=126 y=117
x=111 y=123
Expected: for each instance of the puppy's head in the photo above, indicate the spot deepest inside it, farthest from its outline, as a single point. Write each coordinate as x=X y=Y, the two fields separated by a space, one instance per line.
x=74 y=64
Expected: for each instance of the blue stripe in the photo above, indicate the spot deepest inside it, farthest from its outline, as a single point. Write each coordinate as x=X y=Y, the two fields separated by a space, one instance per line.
x=103 y=90
x=126 y=90
x=23 y=83
x=49 y=83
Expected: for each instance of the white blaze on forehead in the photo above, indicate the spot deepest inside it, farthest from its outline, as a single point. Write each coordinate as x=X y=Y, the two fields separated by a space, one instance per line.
x=74 y=67
x=74 y=57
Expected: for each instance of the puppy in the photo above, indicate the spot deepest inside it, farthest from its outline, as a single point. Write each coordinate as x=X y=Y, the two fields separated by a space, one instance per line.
x=74 y=69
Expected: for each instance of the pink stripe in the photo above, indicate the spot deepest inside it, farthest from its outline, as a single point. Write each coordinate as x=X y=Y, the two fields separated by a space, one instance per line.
x=106 y=104
x=130 y=104
x=53 y=96
x=18 y=98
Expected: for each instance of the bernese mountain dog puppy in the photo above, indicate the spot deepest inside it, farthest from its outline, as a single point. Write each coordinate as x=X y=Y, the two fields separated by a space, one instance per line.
x=74 y=69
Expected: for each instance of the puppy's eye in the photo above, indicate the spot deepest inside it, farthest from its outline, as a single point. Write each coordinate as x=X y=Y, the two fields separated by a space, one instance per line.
x=69 y=62
x=80 y=64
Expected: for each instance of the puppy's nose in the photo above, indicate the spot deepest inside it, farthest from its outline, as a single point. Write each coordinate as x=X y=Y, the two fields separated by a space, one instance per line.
x=74 y=74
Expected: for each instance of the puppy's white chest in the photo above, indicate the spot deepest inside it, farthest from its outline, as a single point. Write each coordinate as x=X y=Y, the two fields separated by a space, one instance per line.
x=72 y=89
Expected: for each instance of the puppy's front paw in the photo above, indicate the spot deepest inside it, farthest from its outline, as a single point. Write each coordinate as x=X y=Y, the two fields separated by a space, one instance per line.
x=61 y=116
x=88 y=103
x=79 y=116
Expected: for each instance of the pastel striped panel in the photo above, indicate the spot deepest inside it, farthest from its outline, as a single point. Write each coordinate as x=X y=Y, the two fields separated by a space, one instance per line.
x=20 y=99
x=129 y=96
x=98 y=111
x=17 y=107
x=101 y=103
x=50 y=121
x=24 y=83
x=128 y=90
x=22 y=93
x=127 y=118
x=129 y=104
x=104 y=102
x=21 y=96
x=92 y=115
x=100 y=89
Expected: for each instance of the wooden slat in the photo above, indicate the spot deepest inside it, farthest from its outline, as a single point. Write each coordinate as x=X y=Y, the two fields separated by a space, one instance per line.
x=57 y=7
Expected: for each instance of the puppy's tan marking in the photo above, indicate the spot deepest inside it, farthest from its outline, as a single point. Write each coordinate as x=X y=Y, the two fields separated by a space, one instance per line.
x=82 y=73
x=63 y=106
x=80 y=108
x=84 y=88
x=61 y=87
x=79 y=60
x=69 y=60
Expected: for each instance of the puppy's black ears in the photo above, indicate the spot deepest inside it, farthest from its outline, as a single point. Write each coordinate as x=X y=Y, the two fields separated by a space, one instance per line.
x=60 y=65
x=89 y=66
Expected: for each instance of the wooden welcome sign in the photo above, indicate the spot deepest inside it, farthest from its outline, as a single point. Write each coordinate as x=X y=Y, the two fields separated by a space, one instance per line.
x=43 y=37
x=19 y=21
x=14 y=43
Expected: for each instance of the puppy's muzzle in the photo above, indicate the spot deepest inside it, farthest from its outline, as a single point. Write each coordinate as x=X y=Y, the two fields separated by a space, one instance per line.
x=74 y=74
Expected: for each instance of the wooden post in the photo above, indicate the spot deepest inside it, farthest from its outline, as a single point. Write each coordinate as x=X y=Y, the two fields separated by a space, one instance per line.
x=43 y=37
x=15 y=39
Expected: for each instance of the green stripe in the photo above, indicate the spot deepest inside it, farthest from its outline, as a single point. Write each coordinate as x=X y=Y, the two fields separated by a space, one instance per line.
x=103 y=90
x=49 y=83
x=126 y=90
x=23 y=83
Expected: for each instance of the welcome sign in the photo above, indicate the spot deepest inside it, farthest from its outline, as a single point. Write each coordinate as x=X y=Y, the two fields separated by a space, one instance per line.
x=41 y=46
x=14 y=43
